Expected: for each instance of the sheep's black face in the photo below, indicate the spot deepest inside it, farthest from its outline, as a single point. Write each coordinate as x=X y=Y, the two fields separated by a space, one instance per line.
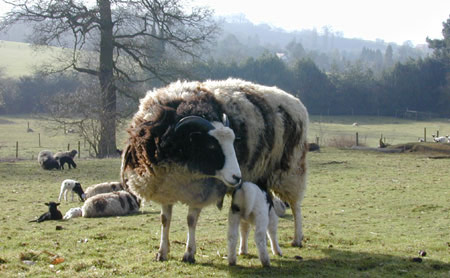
x=203 y=153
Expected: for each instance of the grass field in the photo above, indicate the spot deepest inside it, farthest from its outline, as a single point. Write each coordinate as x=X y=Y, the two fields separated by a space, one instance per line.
x=19 y=59
x=366 y=214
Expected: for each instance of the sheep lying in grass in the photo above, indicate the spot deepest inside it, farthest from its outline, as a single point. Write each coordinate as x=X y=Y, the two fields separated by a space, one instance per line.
x=116 y=203
x=73 y=186
x=251 y=205
x=52 y=214
x=47 y=161
x=104 y=187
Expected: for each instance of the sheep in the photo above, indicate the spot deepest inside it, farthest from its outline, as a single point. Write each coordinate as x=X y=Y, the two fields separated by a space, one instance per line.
x=103 y=188
x=67 y=159
x=47 y=161
x=73 y=186
x=250 y=205
x=52 y=214
x=70 y=154
x=111 y=204
x=181 y=148
x=440 y=139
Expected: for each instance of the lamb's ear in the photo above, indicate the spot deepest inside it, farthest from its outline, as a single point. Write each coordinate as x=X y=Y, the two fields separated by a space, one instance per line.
x=47 y=204
x=57 y=204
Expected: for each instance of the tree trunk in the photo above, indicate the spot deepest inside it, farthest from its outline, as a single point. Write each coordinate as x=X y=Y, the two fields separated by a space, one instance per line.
x=107 y=143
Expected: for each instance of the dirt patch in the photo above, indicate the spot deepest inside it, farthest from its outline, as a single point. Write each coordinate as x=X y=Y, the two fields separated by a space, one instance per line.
x=438 y=148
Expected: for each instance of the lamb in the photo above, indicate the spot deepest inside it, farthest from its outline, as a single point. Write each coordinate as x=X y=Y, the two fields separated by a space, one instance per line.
x=52 y=214
x=73 y=186
x=47 y=161
x=103 y=188
x=67 y=159
x=182 y=148
x=116 y=203
x=250 y=205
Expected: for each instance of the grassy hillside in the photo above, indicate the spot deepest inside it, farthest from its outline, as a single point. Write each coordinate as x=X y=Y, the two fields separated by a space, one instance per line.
x=19 y=59
x=365 y=215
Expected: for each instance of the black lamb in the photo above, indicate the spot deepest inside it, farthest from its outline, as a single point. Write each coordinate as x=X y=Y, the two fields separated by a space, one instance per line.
x=52 y=214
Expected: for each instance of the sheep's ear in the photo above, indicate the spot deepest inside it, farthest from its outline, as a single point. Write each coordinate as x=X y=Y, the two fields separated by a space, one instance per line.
x=57 y=204
x=47 y=204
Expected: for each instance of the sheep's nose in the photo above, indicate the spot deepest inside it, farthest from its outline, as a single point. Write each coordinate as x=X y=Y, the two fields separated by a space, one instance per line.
x=237 y=179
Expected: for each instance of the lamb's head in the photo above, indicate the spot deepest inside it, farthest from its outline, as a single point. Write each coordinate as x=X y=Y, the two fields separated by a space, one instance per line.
x=79 y=190
x=203 y=147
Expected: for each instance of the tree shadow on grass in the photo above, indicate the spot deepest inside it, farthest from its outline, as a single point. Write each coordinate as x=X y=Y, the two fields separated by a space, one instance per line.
x=340 y=263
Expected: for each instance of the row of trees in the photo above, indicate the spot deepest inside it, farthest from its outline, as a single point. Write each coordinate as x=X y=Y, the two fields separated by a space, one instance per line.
x=124 y=43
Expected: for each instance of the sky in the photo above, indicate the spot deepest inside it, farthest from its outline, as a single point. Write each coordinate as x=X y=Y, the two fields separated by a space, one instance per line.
x=390 y=20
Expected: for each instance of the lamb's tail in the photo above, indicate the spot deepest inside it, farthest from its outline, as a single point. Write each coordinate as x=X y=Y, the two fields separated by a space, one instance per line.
x=279 y=206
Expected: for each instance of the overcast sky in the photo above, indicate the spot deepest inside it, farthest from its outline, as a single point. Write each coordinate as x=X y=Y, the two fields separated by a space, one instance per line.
x=390 y=20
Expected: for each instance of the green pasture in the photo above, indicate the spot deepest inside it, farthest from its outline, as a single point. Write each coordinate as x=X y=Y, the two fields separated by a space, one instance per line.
x=20 y=59
x=366 y=214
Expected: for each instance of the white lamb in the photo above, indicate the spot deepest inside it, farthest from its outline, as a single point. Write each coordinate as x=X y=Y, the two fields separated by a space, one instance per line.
x=72 y=186
x=251 y=205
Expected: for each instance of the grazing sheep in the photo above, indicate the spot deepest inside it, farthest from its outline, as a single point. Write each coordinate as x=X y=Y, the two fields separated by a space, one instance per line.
x=72 y=213
x=67 y=159
x=250 y=205
x=181 y=148
x=70 y=154
x=103 y=188
x=73 y=186
x=47 y=161
x=111 y=204
x=52 y=214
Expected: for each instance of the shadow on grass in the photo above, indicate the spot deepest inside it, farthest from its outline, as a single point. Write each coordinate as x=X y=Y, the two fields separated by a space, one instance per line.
x=339 y=263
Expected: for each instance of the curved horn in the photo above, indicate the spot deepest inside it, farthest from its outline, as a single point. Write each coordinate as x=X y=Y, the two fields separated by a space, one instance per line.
x=225 y=120
x=194 y=121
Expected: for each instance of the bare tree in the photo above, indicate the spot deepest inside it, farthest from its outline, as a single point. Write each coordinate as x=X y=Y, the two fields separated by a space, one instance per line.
x=116 y=41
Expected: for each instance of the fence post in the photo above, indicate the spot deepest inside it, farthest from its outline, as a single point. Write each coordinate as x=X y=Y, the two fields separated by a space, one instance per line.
x=39 y=135
x=317 y=140
x=424 y=134
x=68 y=147
x=437 y=133
x=17 y=149
x=79 y=143
x=357 y=139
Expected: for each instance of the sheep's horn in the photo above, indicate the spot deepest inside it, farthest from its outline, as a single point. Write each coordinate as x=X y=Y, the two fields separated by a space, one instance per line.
x=225 y=120
x=195 y=122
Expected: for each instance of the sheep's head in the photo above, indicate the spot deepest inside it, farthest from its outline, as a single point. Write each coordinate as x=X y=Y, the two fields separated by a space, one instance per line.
x=79 y=190
x=204 y=147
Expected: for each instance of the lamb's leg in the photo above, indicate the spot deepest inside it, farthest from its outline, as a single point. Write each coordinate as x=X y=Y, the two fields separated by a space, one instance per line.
x=71 y=191
x=192 y=218
x=233 y=233
x=272 y=232
x=60 y=195
x=164 y=247
x=245 y=231
x=261 y=224
x=298 y=234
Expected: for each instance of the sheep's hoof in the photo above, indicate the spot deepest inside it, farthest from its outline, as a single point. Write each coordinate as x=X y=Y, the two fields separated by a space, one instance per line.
x=188 y=258
x=296 y=244
x=160 y=257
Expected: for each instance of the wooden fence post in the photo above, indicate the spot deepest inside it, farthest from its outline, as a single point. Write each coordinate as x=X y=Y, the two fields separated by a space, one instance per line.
x=317 y=140
x=39 y=135
x=357 y=139
x=424 y=134
x=68 y=147
x=17 y=149
x=437 y=133
x=79 y=144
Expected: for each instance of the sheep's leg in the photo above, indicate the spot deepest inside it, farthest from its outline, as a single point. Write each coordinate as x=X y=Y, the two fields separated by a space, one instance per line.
x=261 y=224
x=192 y=218
x=298 y=234
x=272 y=232
x=245 y=231
x=164 y=247
x=60 y=195
x=66 y=192
x=233 y=233
x=71 y=191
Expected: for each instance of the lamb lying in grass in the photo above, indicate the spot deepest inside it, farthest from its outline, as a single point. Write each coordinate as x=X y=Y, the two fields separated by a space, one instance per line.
x=251 y=205
x=52 y=214
x=116 y=203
